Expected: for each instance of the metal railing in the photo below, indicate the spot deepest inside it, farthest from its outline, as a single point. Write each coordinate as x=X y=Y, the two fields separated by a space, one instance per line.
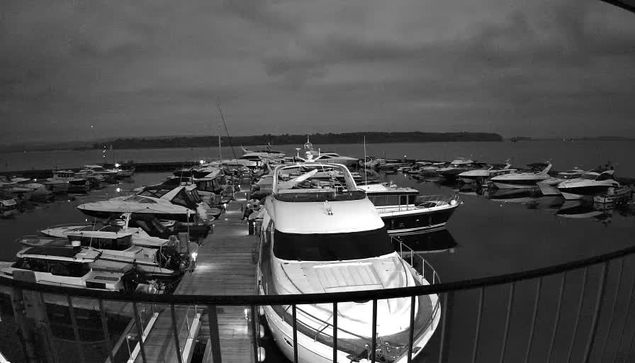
x=580 y=311
x=424 y=201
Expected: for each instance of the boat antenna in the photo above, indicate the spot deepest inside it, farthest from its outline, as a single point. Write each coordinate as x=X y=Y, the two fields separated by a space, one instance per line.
x=227 y=131
x=365 y=162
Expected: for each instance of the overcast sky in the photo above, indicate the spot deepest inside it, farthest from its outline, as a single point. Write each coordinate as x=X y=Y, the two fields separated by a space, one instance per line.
x=539 y=68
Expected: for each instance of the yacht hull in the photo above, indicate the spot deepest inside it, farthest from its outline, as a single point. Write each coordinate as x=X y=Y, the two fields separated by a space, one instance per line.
x=310 y=350
x=101 y=214
x=417 y=220
x=516 y=184
x=583 y=192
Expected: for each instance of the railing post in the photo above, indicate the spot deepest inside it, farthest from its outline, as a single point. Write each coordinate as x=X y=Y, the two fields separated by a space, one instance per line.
x=254 y=335
x=557 y=318
x=373 y=341
x=335 y=332
x=175 y=331
x=510 y=303
x=214 y=335
x=577 y=317
x=628 y=310
x=444 y=317
x=615 y=297
x=596 y=313
x=481 y=297
x=139 y=331
x=413 y=301
x=78 y=343
x=533 y=320
x=295 y=333
x=25 y=334
x=104 y=324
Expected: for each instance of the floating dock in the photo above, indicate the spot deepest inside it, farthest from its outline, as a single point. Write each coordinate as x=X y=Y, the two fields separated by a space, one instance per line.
x=225 y=267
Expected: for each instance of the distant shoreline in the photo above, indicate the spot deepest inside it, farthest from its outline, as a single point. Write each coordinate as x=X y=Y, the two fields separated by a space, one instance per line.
x=259 y=140
x=279 y=140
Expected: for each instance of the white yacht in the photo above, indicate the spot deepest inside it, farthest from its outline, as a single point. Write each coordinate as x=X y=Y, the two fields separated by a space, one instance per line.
x=482 y=174
x=261 y=153
x=549 y=187
x=181 y=204
x=327 y=157
x=108 y=174
x=589 y=184
x=138 y=204
x=116 y=228
x=523 y=179
x=450 y=172
x=321 y=234
x=404 y=211
x=78 y=267
x=164 y=261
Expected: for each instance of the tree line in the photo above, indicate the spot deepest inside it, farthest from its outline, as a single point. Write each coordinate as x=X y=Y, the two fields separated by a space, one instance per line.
x=286 y=139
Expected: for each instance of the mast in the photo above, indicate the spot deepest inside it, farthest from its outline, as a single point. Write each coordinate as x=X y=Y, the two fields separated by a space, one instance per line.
x=220 y=150
x=365 y=162
x=227 y=131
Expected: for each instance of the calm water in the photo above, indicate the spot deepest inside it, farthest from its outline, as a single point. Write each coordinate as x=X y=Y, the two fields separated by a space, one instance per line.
x=492 y=237
x=564 y=155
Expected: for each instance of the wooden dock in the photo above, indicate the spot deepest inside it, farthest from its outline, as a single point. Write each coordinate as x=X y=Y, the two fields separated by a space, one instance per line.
x=225 y=267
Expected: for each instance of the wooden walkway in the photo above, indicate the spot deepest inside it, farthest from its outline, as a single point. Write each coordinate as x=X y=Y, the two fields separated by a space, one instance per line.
x=224 y=267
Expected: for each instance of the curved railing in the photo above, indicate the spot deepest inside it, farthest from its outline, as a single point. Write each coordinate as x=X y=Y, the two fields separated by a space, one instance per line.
x=607 y=319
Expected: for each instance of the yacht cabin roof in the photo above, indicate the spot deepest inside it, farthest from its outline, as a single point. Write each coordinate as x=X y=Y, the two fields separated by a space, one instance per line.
x=60 y=253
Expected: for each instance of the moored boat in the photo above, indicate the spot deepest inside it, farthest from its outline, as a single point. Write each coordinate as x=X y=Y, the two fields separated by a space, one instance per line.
x=8 y=205
x=69 y=267
x=404 y=211
x=164 y=261
x=321 y=234
x=588 y=185
x=614 y=195
x=522 y=180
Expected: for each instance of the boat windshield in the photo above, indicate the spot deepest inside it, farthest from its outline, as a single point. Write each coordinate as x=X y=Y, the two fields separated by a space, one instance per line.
x=333 y=246
x=589 y=176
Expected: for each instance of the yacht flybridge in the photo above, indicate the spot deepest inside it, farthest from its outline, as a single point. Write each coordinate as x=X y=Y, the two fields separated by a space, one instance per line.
x=321 y=234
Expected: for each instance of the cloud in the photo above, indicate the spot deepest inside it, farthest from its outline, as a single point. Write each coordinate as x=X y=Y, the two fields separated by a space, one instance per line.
x=154 y=67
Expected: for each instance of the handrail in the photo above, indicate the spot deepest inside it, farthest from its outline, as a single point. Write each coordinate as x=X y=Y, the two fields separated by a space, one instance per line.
x=242 y=300
x=435 y=198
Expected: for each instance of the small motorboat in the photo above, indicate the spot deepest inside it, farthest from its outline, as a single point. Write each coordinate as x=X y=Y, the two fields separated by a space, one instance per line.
x=614 y=195
x=523 y=180
x=588 y=185
x=165 y=261
x=8 y=205
x=67 y=266
x=404 y=211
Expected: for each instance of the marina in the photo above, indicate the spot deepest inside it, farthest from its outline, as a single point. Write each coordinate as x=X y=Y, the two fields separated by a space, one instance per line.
x=226 y=264
x=317 y=182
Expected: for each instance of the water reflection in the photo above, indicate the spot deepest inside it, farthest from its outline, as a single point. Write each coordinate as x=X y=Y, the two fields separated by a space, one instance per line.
x=430 y=242
x=532 y=198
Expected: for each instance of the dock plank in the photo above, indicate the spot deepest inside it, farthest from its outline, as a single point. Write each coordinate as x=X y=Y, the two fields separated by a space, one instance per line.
x=224 y=267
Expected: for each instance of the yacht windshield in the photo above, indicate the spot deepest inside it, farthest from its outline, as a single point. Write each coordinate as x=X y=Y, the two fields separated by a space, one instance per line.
x=332 y=247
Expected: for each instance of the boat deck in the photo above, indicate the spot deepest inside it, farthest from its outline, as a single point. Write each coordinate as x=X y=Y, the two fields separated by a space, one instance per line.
x=224 y=267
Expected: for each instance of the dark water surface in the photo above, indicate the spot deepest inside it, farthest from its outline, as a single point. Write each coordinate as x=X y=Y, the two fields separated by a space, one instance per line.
x=492 y=238
x=564 y=155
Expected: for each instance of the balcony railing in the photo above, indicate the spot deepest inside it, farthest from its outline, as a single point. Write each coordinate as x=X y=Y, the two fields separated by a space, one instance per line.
x=580 y=311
